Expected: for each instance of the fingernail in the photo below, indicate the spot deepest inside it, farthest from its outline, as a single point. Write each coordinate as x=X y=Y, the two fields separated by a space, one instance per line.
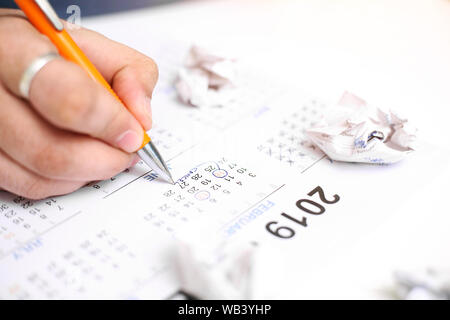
x=129 y=141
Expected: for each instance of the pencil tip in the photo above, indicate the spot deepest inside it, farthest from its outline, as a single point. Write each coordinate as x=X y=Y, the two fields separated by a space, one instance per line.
x=150 y=155
x=169 y=177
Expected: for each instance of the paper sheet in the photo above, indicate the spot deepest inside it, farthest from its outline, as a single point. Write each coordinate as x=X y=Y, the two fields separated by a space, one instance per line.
x=247 y=169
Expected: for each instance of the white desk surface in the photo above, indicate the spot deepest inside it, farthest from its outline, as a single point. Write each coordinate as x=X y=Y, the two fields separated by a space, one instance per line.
x=394 y=53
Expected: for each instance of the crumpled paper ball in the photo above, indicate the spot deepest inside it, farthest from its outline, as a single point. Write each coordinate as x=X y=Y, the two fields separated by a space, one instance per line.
x=206 y=79
x=354 y=131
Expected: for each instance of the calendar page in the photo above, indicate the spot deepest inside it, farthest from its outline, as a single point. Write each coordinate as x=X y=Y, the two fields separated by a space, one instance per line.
x=246 y=171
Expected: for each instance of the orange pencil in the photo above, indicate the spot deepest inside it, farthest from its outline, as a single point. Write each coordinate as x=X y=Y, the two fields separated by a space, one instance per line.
x=43 y=17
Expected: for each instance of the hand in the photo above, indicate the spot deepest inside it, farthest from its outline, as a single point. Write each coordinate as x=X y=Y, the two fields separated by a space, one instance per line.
x=71 y=131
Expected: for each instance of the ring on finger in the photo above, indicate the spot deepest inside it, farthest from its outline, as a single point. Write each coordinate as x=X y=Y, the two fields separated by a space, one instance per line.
x=29 y=74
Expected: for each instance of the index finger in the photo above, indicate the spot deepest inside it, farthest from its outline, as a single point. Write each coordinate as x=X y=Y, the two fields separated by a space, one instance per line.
x=131 y=74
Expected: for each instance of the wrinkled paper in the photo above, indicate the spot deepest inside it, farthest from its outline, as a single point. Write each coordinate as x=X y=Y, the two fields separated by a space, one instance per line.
x=206 y=79
x=212 y=268
x=354 y=131
x=426 y=284
x=216 y=271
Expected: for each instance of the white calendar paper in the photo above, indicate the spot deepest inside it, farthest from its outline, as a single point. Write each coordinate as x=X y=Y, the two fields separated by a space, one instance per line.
x=246 y=171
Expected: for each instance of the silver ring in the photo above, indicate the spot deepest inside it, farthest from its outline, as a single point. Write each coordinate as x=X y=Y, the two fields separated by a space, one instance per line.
x=32 y=70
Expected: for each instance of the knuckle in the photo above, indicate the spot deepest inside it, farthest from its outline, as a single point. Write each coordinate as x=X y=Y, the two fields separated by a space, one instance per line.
x=146 y=69
x=153 y=67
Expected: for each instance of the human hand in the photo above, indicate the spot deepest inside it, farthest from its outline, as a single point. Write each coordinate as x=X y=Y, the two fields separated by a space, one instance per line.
x=71 y=130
